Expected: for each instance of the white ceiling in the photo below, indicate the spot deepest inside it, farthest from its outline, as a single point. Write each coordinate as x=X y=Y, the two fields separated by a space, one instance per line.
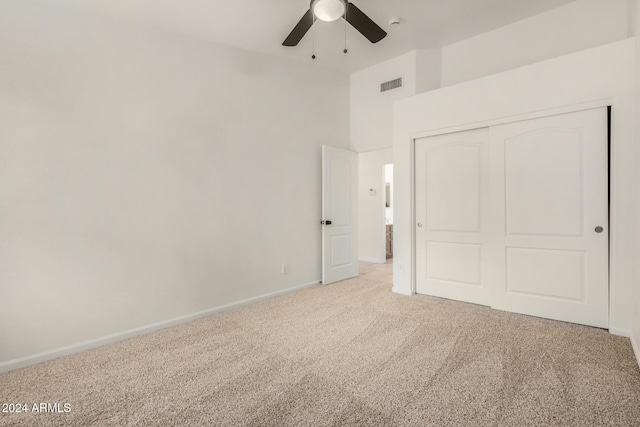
x=262 y=25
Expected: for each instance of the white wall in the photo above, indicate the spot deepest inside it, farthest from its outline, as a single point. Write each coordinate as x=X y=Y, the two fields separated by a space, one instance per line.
x=428 y=70
x=146 y=176
x=371 y=231
x=586 y=78
x=371 y=110
x=578 y=25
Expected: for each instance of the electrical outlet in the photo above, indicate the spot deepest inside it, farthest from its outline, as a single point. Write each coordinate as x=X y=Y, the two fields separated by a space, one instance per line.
x=285 y=268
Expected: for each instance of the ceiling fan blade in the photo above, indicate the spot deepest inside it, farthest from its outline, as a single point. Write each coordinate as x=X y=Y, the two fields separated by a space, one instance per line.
x=364 y=24
x=299 y=30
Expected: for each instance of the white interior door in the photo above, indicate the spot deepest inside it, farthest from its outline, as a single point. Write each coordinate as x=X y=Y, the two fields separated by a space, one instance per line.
x=515 y=216
x=451 y=215
x=339 y=214
x=550 y=207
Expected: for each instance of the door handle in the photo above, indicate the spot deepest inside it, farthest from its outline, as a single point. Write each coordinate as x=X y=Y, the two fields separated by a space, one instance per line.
x=599 y=229
x=325 y=222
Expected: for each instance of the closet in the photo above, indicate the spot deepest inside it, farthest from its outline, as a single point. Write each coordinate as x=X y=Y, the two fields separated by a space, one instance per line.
x=516 y=216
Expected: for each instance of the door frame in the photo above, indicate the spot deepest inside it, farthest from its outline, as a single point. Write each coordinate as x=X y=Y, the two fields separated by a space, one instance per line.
x=608 y=102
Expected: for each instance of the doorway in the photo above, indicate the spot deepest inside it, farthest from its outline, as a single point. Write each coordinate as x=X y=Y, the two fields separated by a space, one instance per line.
x=388 y=212
x=372 y=206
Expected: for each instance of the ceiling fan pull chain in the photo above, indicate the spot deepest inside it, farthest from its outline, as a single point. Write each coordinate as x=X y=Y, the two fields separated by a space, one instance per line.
x=313 y=27
x=345 y=30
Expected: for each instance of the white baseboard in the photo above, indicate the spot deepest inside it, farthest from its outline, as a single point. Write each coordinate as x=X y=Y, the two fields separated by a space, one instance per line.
x=401 y=292
x=373 y=260
x=619 y=332
x=33 y=359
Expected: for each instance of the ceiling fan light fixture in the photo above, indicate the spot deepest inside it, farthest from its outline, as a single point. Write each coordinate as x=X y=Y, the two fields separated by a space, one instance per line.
x=328 y=10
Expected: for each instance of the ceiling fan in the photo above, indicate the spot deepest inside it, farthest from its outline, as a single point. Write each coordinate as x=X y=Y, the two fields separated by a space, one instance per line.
x=332 y=10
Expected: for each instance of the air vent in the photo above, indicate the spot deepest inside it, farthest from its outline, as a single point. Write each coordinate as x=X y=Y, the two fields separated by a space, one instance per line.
x=393 y=84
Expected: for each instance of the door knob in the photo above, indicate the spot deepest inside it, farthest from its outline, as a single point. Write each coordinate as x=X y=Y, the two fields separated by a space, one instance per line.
x=325 y=222
x=599 y=229
x=420 y=225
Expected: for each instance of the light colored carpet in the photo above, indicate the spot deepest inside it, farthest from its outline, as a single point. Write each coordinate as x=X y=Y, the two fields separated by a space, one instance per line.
x=350 y=353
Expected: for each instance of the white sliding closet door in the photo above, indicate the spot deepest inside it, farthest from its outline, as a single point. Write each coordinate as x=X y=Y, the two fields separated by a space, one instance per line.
x=515 y=216
x=549 y=192
x=451 y=215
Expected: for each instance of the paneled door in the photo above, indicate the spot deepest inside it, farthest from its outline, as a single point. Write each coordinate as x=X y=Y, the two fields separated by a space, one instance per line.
x=516 y=217
x=452 y=174
x=549 y=192
x=339 y=214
